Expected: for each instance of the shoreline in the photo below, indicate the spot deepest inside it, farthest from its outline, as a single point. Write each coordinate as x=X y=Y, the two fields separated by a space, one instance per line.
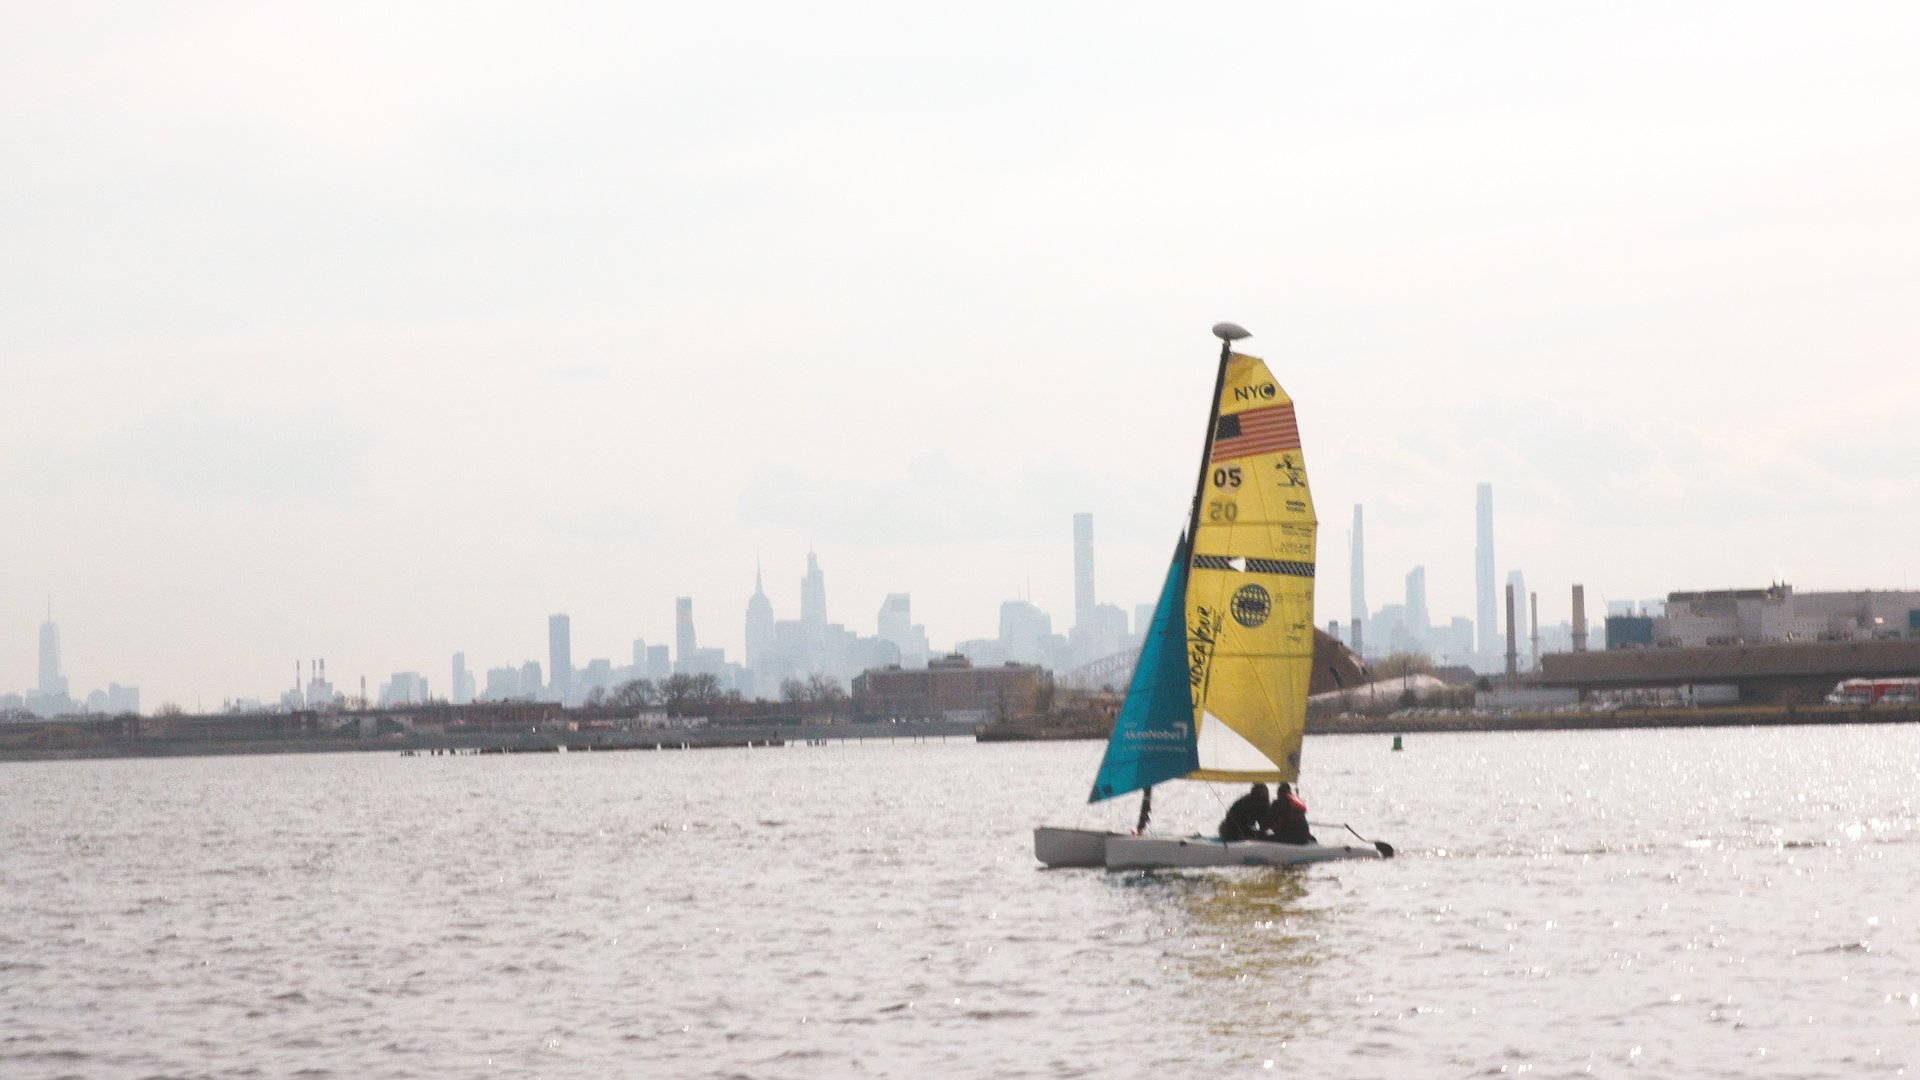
x=1612 y=720
x=428 y=744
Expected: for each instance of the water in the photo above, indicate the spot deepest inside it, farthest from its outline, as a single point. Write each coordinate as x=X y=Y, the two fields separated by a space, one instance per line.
x=1726 y=903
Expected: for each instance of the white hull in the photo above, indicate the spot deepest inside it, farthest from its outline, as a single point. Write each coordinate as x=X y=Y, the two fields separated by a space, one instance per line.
x=1071 y=847
x=1165 y=852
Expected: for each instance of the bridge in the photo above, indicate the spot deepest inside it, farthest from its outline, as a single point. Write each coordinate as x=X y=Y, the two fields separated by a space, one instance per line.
x=1109 y=672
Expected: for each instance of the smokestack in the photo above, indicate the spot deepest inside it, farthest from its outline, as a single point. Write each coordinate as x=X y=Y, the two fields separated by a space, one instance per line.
x=1513 y=648
x=296 y=676
x=1533 y=625
x=1359 y=647
x=1579 y=618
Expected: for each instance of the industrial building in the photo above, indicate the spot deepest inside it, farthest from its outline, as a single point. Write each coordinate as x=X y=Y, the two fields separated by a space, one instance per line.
x=1770 y=615
x=1779 y=672
x=949 y=687
x=1757 y=645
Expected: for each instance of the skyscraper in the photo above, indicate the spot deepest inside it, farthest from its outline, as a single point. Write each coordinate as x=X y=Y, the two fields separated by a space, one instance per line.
x=462 y=680
x=759 y=624
x=1024 y=630
x=813 y=597
x=896 y=618
x=1486 y=610
x=1417 y=623
x=51 y=681
x=897 y=629
x=560 y=655
x=1357 y=595
x=684 y=642
x=1082 y=569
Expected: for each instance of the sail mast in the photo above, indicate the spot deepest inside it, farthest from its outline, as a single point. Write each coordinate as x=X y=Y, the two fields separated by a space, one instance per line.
x=1228 y=333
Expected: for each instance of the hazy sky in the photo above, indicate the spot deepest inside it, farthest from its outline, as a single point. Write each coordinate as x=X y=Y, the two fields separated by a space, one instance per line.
x=379 y=331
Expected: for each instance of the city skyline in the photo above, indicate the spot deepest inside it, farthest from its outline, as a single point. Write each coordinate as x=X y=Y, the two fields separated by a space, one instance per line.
x=1409 y=625
x=377 y=368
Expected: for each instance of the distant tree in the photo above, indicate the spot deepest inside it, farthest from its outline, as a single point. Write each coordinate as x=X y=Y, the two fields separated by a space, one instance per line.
x=1401 y=664
x=682 y=694
x=676 y=691
x=635 y=694
x=793 y=691
x=596 y=697
x=826 y=690
x=169 y=709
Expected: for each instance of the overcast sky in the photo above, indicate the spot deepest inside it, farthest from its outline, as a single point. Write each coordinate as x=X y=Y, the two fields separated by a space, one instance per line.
x=379 y=331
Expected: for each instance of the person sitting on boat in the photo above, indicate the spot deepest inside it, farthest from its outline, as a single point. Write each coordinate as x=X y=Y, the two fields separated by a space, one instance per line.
x=1286 y=820
x=1246 y=817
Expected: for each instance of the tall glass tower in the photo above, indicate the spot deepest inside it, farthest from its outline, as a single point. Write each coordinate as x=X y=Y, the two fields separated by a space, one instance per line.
x=1082 y=569
x=684 y=640
x=560 y=655
x=813 y=597
x=50 y=680
x=1486 y=606
x=1357 y=581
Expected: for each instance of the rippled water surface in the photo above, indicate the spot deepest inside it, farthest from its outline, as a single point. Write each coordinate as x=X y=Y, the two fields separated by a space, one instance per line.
x=1724 y=903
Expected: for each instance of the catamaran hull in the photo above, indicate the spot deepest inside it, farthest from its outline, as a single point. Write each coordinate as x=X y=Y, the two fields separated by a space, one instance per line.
x=1071 y=847
x=1170 y=852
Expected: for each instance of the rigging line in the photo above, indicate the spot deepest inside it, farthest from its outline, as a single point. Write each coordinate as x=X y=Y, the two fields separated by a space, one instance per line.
x=1213 y=789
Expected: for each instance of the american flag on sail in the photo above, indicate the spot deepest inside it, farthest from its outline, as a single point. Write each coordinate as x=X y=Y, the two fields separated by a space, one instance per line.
x=1256 y=431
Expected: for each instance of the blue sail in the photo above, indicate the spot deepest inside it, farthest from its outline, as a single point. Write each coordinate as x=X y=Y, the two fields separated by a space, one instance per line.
x=1153 y=737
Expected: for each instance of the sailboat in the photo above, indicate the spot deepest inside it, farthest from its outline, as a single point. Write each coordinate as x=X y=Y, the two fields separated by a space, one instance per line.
x=1219 y=692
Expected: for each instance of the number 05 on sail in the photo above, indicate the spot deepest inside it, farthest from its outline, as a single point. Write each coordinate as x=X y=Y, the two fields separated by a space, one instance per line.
x=1219 y=692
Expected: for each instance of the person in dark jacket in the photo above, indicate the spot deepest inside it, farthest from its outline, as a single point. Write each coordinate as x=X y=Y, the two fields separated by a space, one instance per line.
x=1286 y=819
x=1247 y=816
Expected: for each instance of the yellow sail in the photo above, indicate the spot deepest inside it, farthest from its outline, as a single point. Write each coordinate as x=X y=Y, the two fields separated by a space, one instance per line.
x=1250 y=590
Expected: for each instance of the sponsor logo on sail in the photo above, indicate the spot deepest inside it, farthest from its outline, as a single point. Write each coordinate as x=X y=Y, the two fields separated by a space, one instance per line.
x=1202 y=632
x=1251 y=606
